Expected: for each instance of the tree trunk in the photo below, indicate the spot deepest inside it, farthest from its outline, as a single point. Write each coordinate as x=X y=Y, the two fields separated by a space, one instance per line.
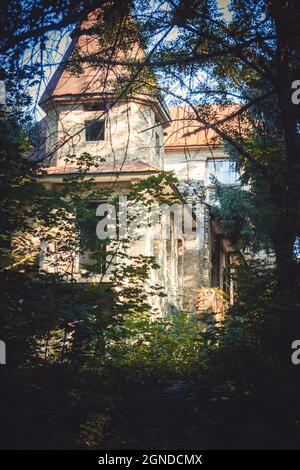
x=283 y=12
x=287 y=269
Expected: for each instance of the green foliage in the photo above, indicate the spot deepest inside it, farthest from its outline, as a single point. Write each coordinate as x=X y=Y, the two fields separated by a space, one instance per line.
x=18 y=186
x=70 y=343
x=145 y=348
x=247 y=377
x=257 y=330
x=248 y=326
x=93 y=432
x=237 y=212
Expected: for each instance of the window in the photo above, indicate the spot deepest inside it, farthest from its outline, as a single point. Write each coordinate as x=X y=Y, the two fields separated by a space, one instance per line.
x=296 y=249
x=157 y=144
x=94 y=107
x=223 y=170
x=93 y=251
x=94 y=130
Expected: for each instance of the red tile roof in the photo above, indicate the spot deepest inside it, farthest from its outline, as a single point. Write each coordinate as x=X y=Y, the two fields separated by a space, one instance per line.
x=182 y=133
x=93 y=78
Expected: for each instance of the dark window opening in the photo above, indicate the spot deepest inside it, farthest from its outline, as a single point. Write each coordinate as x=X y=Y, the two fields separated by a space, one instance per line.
x=157 y=144
x=94 y=130
x=226 y=274
x=94 y=107
x=93 y=252
x=215 y=273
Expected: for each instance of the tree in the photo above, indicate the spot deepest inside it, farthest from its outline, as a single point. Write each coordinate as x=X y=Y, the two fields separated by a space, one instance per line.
x=248 y=58
x=242 y=220
x=58 y=332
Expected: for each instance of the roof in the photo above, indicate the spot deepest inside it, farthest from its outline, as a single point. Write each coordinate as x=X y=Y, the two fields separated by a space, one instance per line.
x=67 y=81
x=94 y=80
x=182 y=133
x=98 y=80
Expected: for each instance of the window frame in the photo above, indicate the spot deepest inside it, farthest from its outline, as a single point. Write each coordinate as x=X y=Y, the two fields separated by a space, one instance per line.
x=95 y=106
x=87 y=250
x=157 y=144
x=87 y=124
x=215 y=161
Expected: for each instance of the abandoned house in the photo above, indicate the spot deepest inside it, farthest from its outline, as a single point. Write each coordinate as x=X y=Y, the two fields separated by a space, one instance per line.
x=137 y=136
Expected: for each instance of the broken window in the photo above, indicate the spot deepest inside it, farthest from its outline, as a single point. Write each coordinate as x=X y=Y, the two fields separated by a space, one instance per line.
x=157 y=144
x=93 y=252
x=94 y=130
x=94 y=106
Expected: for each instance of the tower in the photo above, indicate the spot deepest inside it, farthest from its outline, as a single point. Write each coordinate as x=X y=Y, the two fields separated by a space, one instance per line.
x=90 y=106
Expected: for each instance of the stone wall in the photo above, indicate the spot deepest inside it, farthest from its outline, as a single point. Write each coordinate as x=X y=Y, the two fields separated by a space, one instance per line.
x=194 y=194
x=132 y=133
x=209 y=300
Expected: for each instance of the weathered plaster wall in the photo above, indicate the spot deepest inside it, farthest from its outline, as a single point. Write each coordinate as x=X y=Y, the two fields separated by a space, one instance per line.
x=190 y=164
x=130 y=133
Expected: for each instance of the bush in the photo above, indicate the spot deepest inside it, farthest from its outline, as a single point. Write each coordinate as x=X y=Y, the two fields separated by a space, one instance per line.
x=144 y=348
